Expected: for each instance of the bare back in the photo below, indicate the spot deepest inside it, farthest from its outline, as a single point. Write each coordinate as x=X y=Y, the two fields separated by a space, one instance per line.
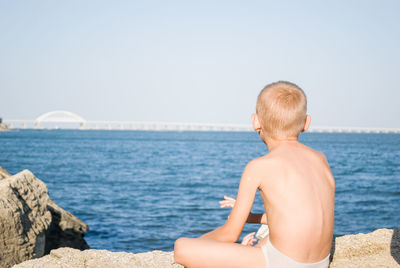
x=298 y=191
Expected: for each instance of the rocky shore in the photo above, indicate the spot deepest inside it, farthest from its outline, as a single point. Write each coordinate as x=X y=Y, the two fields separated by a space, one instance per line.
x=36 y=232
x=380 y=248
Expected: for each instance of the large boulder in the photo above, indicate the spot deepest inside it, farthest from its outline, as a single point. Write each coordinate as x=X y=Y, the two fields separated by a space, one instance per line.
x=31 y=224
x=380 y=248
x=65 y=230
x=24 y=218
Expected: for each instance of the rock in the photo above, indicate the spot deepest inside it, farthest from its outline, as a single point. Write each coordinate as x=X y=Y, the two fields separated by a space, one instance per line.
x=93 y=258
x=30 y=223
x=380 y=248
x=65 y=230
x=4 y=174
x=24 y=217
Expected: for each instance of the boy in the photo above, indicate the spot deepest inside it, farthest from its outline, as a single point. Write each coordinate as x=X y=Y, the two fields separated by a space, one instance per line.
x=297 y=188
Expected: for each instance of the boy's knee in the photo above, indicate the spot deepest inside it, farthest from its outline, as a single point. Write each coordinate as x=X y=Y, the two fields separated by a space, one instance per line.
x=180 y=249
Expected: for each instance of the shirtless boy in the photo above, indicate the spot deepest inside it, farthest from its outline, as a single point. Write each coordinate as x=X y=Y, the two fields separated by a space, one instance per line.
x=297 y=188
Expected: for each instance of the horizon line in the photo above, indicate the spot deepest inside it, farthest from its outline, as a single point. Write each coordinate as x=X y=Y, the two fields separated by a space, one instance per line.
x=179 y=126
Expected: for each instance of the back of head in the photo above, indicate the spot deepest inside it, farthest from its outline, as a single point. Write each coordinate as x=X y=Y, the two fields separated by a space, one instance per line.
x=282 y=109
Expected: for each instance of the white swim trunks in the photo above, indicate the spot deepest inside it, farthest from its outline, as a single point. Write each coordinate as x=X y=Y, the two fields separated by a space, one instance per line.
x=276 y=259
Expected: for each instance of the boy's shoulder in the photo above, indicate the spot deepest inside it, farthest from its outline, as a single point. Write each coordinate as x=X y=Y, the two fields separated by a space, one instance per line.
x=301 y=149
x=319 y=154
x=260 y=164
x=274 y=159
x=259 y=161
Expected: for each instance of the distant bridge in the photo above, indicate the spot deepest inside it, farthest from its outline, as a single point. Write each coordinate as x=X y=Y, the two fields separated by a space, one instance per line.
x=66 y=119
x=60 y=117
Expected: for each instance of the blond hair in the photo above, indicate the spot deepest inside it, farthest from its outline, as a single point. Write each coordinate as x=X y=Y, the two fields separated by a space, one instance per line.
x=282 y=109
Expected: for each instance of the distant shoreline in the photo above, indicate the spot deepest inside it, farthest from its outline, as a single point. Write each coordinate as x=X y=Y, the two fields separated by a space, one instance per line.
x=313 y=131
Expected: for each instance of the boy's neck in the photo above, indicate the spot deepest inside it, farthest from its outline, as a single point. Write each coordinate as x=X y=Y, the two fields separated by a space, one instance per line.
x=273 y=143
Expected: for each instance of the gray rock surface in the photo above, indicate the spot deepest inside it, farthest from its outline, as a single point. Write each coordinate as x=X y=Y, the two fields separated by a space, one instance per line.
x=380 y=248
x=65 y=230
x=4 y=173
x=93 y=258
x=24 y=217
x=30 y=223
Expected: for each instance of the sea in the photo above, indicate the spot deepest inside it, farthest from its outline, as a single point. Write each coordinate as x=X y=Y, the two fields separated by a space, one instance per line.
x=140 y=190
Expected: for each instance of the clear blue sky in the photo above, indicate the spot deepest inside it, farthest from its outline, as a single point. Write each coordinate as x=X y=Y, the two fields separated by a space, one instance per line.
x=199 y=61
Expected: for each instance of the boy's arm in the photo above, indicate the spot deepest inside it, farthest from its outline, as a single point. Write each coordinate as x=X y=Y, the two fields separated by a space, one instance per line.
x=252 y=218
x=231 y=230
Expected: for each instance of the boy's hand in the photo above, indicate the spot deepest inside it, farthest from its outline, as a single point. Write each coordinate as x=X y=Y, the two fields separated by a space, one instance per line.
x=227 y=202
x=249 y=239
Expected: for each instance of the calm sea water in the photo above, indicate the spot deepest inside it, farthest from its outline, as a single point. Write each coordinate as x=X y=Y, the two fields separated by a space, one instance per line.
x=139 y=191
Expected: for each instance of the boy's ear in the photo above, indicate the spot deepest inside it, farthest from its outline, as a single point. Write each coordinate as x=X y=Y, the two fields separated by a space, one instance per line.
x=256 y=122
x=307 y=123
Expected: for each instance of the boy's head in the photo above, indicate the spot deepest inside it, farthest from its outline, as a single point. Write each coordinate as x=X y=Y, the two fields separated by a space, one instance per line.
x=281 y=110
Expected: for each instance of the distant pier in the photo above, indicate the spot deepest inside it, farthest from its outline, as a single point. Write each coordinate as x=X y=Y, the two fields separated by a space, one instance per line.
x=68 y=120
